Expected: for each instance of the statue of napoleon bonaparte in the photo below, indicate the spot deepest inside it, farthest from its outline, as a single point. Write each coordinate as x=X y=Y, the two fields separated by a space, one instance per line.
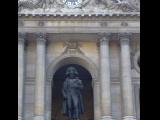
x=72 y=86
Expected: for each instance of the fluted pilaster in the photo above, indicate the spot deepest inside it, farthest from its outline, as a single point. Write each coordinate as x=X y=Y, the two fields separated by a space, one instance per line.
x=128 y=113
x=40 y=77
x=21 y=41
x=105 y=77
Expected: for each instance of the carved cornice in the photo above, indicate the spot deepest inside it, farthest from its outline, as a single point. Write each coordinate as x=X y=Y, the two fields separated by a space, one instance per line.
x=134 y=14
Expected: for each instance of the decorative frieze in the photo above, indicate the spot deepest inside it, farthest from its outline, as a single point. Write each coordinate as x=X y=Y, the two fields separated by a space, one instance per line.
x=41 y=23
x=77 y=6
x=103 y=24
x=124 y=24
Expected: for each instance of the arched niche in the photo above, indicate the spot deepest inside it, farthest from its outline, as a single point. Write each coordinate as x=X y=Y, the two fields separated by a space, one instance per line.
x=78 y=59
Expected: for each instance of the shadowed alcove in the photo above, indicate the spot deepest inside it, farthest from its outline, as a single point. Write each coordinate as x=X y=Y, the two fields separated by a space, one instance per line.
x=57 y=98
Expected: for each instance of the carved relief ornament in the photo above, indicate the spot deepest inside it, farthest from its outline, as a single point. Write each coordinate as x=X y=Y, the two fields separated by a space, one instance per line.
x=65 y=5
x=72 y=47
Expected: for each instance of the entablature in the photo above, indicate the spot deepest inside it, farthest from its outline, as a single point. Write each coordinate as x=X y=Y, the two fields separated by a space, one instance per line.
x=81 y=37
x=79 y=25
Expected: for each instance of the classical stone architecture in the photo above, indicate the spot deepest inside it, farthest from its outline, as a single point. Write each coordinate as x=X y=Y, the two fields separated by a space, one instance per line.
x=102 y=36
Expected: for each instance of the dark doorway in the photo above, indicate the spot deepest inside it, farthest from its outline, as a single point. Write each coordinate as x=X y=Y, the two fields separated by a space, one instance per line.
x=87 y=93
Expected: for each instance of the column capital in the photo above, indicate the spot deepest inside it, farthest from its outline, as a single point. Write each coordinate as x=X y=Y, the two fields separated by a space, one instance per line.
x=41 y=37
x=124 y=37
x=21 y=37
x=103 y=38
x=104 y=35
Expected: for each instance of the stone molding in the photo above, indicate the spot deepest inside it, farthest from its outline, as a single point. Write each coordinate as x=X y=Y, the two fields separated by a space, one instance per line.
x=136 y=14
x=56 y=63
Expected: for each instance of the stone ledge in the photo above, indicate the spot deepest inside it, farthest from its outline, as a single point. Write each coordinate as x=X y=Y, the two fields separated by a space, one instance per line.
x=79 y=14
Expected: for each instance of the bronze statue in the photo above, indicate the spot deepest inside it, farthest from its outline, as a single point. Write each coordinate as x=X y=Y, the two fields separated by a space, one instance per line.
x=73 y=103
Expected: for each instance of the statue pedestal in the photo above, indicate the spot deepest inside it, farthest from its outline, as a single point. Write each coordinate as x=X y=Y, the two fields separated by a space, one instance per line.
x=106 y=118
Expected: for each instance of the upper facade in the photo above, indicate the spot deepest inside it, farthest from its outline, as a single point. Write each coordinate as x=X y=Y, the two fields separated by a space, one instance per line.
x=78 y=7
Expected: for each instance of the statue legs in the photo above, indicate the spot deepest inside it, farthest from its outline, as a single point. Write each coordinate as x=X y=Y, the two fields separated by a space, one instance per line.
x=76 y=109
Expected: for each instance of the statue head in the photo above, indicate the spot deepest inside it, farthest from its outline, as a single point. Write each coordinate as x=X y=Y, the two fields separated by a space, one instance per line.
x=71 y=72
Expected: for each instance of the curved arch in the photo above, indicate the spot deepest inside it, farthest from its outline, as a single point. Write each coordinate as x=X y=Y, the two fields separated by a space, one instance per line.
x=72 y=59
x=81 y=60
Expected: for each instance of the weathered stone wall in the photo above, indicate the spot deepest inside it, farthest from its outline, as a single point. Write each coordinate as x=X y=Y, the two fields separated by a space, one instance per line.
x=91 y=50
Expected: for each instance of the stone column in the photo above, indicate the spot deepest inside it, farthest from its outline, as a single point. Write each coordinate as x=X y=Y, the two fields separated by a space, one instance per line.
x=97 y=105
x=21 y=38
x=105 y=78
x=128 y=109
x=40 y=78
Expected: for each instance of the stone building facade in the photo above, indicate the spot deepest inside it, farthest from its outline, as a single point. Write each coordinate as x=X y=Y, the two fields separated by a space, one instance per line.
x=101 y=36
